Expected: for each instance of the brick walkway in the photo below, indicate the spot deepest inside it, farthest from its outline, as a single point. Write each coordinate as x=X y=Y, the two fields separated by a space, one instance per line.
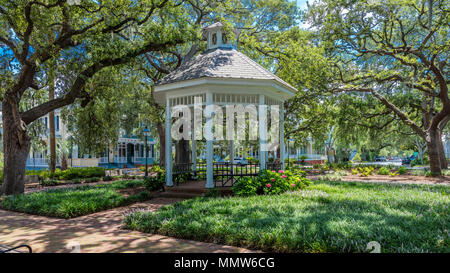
x=98 y=232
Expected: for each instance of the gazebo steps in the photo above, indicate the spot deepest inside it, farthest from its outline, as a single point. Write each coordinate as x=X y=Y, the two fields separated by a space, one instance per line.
x=181 y=195
x=192 y=189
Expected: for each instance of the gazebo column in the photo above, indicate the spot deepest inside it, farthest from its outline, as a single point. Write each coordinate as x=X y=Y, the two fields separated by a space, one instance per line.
x=209 y=142
x=193 y=143
x=262 y=114
x=282 y=147
x=168 y=148
x=194 y=153
x=232 y=155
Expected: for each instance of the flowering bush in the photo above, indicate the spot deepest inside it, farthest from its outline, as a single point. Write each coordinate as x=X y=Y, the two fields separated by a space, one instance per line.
x=271 y=182
x=247 y=186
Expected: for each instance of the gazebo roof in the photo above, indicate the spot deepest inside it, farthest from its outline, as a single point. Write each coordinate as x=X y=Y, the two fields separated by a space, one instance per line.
x=222 y=63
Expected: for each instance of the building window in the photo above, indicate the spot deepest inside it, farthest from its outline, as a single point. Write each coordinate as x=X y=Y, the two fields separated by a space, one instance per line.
x=303 y=150
x=224 y=38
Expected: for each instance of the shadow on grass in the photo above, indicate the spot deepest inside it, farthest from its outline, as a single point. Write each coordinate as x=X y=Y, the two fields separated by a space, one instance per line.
x=311 y=221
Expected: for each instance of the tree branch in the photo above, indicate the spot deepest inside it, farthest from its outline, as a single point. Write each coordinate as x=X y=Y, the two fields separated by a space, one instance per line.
x=76 y=91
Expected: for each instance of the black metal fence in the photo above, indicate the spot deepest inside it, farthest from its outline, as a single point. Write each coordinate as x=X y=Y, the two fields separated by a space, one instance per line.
x=224 y=174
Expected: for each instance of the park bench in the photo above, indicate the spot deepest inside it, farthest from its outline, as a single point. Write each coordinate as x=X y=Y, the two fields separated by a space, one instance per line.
x=16 y=249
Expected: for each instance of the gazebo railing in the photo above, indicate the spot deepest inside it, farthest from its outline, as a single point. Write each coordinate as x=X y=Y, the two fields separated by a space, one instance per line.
x=273 y=166
x=224 y=174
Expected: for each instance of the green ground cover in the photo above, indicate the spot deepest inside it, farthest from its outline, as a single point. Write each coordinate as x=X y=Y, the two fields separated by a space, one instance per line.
x=75 y=201
x=325 y=217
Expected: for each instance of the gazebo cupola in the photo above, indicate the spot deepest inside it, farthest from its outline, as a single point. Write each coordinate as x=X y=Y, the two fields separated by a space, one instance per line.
x=221 y=76
x=216 y=37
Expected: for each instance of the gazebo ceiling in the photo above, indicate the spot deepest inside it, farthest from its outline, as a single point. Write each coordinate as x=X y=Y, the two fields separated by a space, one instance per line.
x=222 y=65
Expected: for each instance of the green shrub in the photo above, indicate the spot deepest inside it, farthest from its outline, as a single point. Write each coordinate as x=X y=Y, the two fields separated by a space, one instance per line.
x=431 y=174
x=324 y=167
x=357 y=157
x=366 y=171
x=156 y=169
x=76 y=181
x=302 y=159
x=330 y=177
x=246 y=186
x=88 y=172
x=355 y=171
x=69 y=174
x=383 y=171
x=92 y=179
x=271 y=182
x=107 y=178
x=49 y=182
x=155 y=182
x=252 y=160
x=402 y=170
x=418 y=172
x=181 y=178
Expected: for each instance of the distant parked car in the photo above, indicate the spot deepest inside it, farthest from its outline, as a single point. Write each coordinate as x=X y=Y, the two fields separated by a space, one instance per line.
x=240 y=161
x=220 y=161
x=380 y=159
x=407 y=160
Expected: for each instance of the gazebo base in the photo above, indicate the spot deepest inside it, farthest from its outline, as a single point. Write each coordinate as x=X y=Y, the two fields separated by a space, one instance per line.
x=192 y=189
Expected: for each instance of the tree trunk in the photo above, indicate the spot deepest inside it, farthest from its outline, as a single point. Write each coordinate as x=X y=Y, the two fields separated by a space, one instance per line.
x=433 y=152
x=51 y=120
x=63 y=162
x=182 y=151
x=52 y=141
x=440 y=144
x=16 y=146
x=162 y=144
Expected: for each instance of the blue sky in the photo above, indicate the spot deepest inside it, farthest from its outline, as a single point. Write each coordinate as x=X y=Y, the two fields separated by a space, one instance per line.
x=302 y=3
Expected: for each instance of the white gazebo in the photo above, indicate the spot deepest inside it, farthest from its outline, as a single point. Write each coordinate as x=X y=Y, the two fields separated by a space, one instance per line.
x=221 y=76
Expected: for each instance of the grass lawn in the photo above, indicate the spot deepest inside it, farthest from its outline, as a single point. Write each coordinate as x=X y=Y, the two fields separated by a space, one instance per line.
x=75 y=201
x=326 y=217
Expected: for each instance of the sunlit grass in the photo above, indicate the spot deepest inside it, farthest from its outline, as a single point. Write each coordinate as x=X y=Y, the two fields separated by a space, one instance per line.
x=326 y=217
x=73 y=202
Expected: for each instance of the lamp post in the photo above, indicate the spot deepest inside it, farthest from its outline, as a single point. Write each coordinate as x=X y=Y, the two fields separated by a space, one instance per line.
x=146 y=132
x=71 y=150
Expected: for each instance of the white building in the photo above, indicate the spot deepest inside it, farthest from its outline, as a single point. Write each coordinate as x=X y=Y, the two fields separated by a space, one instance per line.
x=447 y=146
x=129 y=150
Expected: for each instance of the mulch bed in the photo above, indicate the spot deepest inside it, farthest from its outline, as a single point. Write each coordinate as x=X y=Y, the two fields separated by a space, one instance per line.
x=401 y=179
x=131 y=191
x=35 y=187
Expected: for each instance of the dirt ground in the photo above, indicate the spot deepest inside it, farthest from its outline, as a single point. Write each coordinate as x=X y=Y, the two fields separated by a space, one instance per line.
x=401 y=179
